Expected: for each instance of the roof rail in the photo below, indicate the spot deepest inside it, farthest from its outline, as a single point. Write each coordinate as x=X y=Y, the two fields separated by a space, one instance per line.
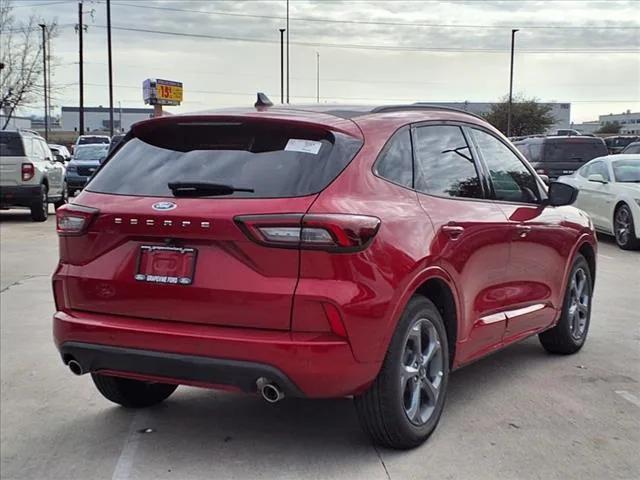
x=421 y=106
x=33 y=132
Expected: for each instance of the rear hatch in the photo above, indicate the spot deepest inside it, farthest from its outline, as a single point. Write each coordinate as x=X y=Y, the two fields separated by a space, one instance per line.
x=178 y=254
x=11 y=158
x=564 y=155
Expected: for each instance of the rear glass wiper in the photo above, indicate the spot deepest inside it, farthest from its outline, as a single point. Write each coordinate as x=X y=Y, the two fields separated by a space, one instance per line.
x=203 y=189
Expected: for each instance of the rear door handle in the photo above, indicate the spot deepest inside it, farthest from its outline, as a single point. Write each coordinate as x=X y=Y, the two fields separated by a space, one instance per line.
x=454 y=231
x=523 y=230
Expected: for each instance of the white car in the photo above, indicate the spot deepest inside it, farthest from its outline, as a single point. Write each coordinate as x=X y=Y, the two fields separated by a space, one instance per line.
x=610 y=193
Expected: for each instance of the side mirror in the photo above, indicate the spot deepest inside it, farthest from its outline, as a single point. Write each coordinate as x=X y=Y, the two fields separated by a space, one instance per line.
x=596 y=177
x=561 y=194
x=59 y=158
x=545 y=179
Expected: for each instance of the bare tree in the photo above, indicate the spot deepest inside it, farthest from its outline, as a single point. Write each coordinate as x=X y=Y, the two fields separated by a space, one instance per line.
x=21 y=75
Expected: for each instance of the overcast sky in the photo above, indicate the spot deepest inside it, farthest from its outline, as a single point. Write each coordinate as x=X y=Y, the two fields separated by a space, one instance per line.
x=370 y=51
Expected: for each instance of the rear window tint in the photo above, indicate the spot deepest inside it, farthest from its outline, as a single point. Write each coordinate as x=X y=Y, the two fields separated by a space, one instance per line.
x=272 y=159
x=573 y=151
x=90 y=140
x=11 y=144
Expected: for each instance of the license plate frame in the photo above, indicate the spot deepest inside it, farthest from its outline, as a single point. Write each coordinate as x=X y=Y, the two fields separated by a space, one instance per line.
x=185 y=270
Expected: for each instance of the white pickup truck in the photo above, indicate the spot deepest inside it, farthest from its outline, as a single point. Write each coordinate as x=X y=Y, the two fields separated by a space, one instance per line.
x=30 y=175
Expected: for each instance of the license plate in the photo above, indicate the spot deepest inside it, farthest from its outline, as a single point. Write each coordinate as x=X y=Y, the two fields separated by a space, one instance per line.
x=166 y=265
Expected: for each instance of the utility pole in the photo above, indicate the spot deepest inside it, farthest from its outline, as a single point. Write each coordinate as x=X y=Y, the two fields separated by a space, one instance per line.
x=318 y=77
x=282 y=65
x=513 y=42
x=49 y=80
x=120 y=116
x=81 y=79
x=44 y=76
x=110 y=67
x=287 y=51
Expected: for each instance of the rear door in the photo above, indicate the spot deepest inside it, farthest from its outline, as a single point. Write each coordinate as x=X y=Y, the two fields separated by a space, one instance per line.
x=12 y=155
x=472 y=240
x=152 y=254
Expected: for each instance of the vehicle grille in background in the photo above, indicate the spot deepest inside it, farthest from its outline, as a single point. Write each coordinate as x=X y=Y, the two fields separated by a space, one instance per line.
x=86 y=171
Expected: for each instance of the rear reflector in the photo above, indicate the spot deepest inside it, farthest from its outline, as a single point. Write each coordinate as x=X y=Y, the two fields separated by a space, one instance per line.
x=74 y=219
x=330 y=232
x=27 y=171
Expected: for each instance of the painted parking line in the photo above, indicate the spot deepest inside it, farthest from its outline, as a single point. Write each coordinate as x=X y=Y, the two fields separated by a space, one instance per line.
x=630 y=397
x=125 y=460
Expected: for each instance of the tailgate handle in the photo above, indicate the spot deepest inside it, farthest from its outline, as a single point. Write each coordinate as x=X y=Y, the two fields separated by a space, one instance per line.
x=454 y=231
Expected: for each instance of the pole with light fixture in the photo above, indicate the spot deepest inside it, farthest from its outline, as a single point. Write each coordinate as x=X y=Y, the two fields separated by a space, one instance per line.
x=509 y=107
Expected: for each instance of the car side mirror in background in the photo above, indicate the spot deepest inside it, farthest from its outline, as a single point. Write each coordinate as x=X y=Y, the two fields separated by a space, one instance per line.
x=545 y=179
x=561 y=194
x=58 y=158
x=596 y=177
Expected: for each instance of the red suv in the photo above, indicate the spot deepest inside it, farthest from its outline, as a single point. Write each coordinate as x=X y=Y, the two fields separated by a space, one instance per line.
x=317 y=252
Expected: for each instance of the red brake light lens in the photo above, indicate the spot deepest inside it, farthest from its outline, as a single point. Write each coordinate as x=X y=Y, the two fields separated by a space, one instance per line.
x=27 y=171
x=74 y=219
x=330 y=232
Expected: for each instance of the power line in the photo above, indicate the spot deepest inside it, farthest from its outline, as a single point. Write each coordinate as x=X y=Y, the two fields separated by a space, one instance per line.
x=371 y=47
x=370 y=22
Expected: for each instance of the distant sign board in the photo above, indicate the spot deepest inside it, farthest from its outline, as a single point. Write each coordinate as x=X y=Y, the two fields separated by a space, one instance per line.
x=161 y=92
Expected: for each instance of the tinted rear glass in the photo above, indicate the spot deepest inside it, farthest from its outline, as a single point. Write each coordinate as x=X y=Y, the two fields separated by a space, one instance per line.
x=11 y=144
x=90 y=140
x=573 y=151
x=272 y=159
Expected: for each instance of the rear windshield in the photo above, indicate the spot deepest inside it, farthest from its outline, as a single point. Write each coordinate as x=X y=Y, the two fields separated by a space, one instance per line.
x=11 y=144
x=91 y=152
x=627 y=171
x=573 y=151
x=620 y=141
x=633 y=148
x=90 y=140
x=272 y=159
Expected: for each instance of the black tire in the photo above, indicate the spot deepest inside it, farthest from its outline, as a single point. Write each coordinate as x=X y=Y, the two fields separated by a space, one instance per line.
x=64 y=198
x=623 y=219
x=382 y=408
x=132 y=393
x=40 y=207
x=570 y=333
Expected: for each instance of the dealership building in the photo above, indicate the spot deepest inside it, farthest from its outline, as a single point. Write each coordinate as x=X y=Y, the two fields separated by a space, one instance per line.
x=97 y=118
x=629 y=123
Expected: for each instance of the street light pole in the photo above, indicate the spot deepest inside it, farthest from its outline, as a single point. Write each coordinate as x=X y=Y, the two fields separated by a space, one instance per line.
x=318 y=77
x=282 y=65
x=110 y=67
x=513 y=41
x=44 y=76
x=81 y=70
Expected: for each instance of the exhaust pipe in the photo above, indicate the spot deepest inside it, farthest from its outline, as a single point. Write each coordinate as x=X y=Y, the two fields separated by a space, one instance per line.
x=75 y=367
x=270 y=391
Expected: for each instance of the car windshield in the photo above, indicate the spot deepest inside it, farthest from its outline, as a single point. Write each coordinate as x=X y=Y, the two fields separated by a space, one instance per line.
x=633 y=148
x=627 y=171
x=270 y=159
x=572 y=151
x=91 y=152
x=91 y=140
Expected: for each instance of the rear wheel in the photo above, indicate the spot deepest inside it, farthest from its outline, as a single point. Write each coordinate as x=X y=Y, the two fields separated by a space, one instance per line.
x=624 y=228
x=40 y=208
x=132 y=393
x=403 y=405
x=569 y=335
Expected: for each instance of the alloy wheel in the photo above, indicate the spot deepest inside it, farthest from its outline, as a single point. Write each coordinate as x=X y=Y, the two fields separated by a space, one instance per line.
x=422 y=368
x=580 y=293
x=622 y=226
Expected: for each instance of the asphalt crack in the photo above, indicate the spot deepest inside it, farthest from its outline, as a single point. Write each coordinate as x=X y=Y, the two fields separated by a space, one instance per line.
x=384 y=466
x=19 y=282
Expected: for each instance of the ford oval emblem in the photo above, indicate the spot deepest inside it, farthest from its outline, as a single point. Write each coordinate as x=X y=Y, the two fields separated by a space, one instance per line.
x=164 y=206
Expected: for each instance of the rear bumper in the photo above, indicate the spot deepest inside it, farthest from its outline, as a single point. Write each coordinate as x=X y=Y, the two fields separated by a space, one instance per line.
x=19 y=195
x=303 y=364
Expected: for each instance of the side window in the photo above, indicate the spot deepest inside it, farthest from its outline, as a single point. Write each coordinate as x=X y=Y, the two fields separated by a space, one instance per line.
x=28 y=146
x=44 y=149
x=584 y=171
x=396 y=162
x=535 y=152
x=512 y=181
x=444 y=165
x=599 y=167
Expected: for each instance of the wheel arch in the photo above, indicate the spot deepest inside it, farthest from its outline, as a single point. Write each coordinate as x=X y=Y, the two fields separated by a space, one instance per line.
x=589 y=253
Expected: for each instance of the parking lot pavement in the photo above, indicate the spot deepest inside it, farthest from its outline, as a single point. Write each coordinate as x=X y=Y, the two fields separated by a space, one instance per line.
x=519 y=414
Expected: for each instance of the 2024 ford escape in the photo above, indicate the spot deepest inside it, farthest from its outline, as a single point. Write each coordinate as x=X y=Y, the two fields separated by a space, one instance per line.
x=317 y=252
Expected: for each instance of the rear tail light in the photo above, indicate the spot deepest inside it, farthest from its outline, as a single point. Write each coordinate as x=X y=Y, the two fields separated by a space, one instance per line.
x=27 y=171
x=74 y=219
x=330 y=232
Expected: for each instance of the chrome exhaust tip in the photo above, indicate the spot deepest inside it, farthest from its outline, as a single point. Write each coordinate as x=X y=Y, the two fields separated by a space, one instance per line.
x=75 y=367
x=270 y=391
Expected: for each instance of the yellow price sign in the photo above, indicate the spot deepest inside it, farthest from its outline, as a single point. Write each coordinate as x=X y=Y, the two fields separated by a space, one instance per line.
x=172 y=93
